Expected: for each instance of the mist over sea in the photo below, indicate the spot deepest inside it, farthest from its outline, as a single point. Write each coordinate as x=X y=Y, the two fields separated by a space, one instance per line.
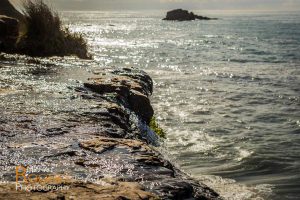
x=227 y=91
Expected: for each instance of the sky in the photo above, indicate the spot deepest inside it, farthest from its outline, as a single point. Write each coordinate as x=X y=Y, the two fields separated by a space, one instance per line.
x=249 y=5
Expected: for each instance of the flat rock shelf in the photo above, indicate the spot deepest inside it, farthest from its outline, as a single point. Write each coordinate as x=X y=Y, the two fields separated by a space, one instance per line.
x=105 y=151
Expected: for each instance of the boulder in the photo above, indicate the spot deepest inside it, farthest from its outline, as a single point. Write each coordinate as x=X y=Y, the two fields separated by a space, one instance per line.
x=132 y=86
x=141 y=105
x=141 y=77
x=9 y=32
x=184 y=15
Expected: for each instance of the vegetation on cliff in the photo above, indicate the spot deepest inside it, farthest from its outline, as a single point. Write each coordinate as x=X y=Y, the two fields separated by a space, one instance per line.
x=38 y=32
x=156 y=128
x=45 y=34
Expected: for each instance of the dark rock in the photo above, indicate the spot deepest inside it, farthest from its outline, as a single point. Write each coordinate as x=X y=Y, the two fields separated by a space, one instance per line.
x=50 y=132
x=64 y=153
x=153 y=160
x=139 y=76
x=6 y=8
x=133 y=86
x=141 y=105
x=9 y=32
x=174 y=189
x=102 y=144
x=184 y=15
x=102 y=86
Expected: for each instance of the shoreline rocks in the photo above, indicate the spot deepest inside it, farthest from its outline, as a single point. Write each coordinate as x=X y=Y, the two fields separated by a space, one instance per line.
x=132 y=87
x=184 y=15
x=102 y=150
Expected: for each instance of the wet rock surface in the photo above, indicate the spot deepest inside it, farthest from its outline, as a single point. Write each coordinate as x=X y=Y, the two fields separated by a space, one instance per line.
x=96 y=134
x=109 y=189
x=132 y=87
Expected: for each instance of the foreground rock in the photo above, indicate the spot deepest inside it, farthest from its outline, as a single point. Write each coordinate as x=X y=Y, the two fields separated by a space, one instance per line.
x=184 y=15
x=103 y=149
x=132 y=87
x=9 y=32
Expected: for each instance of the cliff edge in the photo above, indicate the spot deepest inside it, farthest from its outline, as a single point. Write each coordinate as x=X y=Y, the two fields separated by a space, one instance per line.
x=104 y=150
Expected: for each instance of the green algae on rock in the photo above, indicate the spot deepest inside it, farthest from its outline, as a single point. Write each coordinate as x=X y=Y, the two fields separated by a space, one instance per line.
x=156 y=128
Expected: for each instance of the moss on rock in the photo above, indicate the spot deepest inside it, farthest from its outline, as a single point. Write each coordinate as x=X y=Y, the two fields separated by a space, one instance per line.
x=156 y=128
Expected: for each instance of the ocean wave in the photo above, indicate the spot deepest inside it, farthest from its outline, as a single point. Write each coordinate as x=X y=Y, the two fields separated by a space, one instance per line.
x=229 y=189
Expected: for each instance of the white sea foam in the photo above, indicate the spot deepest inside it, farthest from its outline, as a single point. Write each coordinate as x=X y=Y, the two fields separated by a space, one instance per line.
x=229 y=189
x=243 y=153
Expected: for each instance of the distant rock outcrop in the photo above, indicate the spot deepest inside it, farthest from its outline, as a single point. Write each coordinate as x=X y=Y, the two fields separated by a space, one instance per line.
x=184 y=15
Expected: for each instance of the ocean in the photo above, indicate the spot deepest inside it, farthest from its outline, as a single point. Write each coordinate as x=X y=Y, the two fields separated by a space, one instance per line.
x=227 y=91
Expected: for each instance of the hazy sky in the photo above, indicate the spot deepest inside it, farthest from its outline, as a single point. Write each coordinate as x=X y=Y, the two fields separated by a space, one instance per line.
x=280 y=5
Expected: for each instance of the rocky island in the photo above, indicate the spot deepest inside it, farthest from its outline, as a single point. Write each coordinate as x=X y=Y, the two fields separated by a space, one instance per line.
x=184 y=15
x=105 y=148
